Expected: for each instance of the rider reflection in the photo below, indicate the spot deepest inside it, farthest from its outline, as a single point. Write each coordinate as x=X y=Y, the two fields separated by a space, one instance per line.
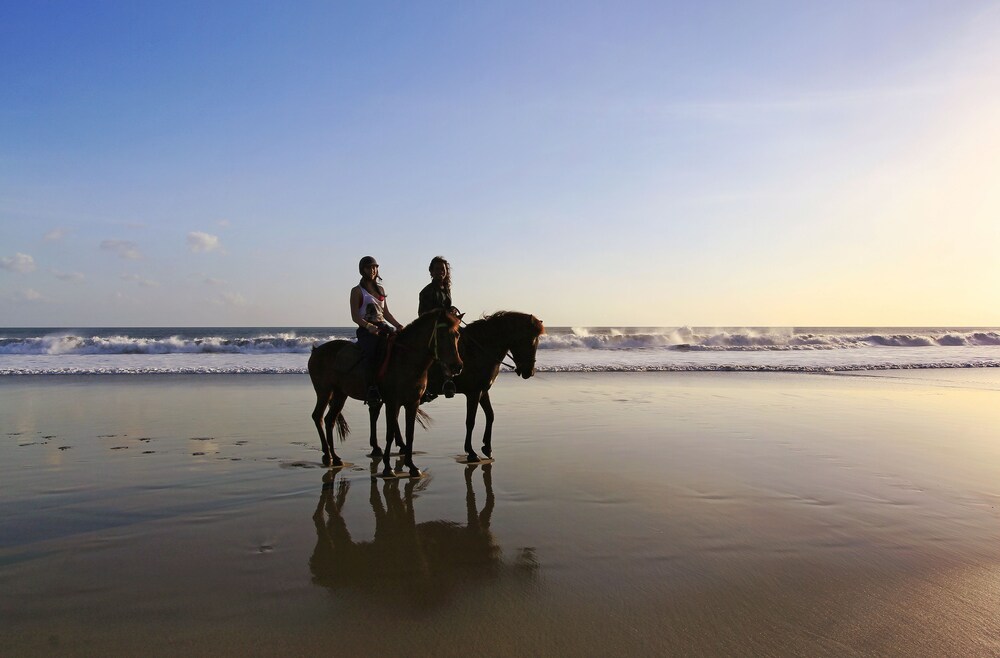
x=423 y=562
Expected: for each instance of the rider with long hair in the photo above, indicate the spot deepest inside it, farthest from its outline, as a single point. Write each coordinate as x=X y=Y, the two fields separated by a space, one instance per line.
x=370 y=311
x=435 y=295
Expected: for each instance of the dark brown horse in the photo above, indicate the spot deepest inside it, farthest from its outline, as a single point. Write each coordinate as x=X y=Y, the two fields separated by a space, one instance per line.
x=337 y=375
x=483 y=345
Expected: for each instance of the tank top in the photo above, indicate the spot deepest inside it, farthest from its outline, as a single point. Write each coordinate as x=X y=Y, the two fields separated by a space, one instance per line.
x=371 y=307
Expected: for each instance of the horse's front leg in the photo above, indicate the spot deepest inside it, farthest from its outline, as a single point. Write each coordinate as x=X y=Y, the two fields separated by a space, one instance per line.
x=411 y=421
x=471 y=402
x=484 y=402
x=373 y=413
x=391 y=429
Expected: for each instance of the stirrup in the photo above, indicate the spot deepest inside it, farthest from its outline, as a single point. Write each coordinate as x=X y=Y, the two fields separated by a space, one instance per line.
x=448 y=389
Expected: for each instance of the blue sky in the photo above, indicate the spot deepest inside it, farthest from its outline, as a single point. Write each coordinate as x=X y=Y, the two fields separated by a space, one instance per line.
x=661 y=163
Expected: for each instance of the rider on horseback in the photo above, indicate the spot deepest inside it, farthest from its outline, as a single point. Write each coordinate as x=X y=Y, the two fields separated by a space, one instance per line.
x=435 y=295
x=370 y=312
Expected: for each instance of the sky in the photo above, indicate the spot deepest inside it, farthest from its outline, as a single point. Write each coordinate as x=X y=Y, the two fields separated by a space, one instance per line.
x=743 y=163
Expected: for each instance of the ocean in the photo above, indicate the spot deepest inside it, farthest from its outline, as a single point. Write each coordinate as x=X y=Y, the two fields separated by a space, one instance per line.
x=285 y=350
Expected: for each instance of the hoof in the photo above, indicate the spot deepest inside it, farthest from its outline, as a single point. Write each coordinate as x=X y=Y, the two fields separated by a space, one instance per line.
x=415 y=472
x=388 y=473
x=336 y=462
x=488 y=452
x=472 y=458
x=326 y=460
x=375 y=453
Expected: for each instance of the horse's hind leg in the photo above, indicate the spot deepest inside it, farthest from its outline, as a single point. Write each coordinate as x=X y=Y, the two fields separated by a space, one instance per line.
x=471 y=402
x=336 y=406
x=411 y=423
x=373 y=413
x=322 y=399
x=399 y=440
x=391 y=429
x=484 y=402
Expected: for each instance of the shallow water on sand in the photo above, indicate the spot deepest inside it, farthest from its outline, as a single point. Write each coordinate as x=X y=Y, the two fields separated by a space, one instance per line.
x=646 y=513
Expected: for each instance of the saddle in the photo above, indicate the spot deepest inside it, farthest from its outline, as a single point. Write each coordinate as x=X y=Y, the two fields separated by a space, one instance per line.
x=351 y=358
x=347 y=359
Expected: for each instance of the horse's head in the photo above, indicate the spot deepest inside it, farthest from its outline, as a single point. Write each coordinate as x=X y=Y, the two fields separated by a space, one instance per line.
x=444 y=341
x=524 y=345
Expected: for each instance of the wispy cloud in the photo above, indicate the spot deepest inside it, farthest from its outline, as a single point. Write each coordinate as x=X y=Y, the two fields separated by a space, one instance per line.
x=124 y=248
x=19 y=262
x=145 y=283
x=28 y=295
x=68 y=276
x=212 y=281
x=199 y=242
x=55 y=234
x=231 y=299
x=742 y=108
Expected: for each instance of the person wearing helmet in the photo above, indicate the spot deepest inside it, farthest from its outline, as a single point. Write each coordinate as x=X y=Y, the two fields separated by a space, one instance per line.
x=370 y=312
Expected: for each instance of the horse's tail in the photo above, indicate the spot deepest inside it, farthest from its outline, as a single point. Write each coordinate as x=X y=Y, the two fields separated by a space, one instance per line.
x=424 y=418
x=343 y=429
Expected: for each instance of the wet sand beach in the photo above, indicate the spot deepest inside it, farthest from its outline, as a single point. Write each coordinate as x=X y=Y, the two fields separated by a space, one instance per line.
x=626 y=514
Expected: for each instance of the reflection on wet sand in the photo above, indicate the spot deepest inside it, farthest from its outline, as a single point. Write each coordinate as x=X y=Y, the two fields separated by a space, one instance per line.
x=423 y=562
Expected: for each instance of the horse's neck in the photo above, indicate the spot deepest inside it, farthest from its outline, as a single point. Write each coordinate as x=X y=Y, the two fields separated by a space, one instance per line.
x=494 y=340
x=414 y=353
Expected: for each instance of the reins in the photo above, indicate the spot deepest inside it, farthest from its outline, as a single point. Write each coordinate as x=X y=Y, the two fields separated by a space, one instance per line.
x=432 y=342
x=434 y=339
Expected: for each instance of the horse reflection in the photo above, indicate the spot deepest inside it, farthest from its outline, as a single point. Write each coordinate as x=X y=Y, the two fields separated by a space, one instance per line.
x=421 y=562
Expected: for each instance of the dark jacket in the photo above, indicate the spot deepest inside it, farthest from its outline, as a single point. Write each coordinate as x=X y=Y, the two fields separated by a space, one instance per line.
x=433 y=297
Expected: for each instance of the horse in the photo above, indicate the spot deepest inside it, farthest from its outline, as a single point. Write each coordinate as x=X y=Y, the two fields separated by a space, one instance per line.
x=483 y=344
x=335 y=377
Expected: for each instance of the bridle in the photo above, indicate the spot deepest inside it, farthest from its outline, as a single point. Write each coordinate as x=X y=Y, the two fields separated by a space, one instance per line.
x=501 y=361
x=432 y=343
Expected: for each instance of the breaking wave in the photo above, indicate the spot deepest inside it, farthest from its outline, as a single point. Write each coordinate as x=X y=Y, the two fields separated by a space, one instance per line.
x=285 y=350
x=686 y=338
x=70 y=344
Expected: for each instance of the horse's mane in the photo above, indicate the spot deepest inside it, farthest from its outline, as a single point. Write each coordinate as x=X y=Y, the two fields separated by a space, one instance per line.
x=500 y=323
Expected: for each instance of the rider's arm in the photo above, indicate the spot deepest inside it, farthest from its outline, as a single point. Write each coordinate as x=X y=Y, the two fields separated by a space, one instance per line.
x=426 y=300
x=356 y=311
x=388 y=316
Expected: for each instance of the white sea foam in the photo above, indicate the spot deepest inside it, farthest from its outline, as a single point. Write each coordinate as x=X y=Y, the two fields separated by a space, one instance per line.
x=626 y=349
x=755 y=339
